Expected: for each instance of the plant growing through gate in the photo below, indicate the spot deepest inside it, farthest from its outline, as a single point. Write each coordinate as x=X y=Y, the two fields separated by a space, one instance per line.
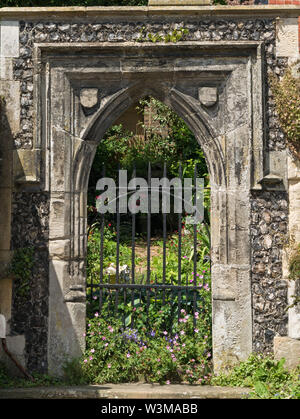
x=117 y=354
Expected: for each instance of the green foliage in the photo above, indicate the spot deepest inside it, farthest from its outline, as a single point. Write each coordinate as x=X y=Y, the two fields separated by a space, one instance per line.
x=74 y=374
x=173 y=36
x=168 y=140
x=187 y=252
x=286 y=94
x=143 y=339
x=294 y=273
x=21 y=269
x=116 y=354
x=109 y=252
x=267 y=378
x=294 y=264
x=40 y=380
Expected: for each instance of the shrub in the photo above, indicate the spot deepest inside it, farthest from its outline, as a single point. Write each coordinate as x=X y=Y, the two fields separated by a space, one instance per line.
x=267 y=378
x=121 y=354
x=286 y=94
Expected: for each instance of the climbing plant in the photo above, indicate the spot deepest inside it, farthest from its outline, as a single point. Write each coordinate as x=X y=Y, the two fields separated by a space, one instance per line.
x=286 y=92
x=21 y=269
x=174 y=35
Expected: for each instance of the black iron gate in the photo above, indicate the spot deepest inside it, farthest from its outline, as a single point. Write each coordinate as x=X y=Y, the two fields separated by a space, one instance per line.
x=122 y=292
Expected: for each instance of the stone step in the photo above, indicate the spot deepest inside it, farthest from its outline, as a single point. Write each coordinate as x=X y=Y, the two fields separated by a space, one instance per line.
x=127 y=391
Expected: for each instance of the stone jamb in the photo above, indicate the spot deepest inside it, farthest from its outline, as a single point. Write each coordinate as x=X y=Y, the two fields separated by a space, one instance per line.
x=232 y=303
x=275 y=161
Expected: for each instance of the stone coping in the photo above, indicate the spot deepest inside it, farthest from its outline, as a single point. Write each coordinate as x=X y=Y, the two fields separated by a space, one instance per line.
x=127 y=391
x=179 y=2
x=35 y=13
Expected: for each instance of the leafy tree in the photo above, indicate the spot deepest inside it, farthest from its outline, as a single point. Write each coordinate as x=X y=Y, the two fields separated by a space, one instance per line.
x=168 y=139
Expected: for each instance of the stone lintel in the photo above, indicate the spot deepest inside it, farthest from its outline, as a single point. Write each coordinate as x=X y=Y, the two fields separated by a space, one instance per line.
x=96 y=12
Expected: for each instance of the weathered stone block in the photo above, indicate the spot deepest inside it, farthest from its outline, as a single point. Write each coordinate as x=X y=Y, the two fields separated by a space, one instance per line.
x=26 y=165
x=287 y=37
x=285 y=347
x=9 y=38
x=89 y=98
x=208 y=96
x=11 y=91
x=59 y=249
x=59 y=220
x=16 y=346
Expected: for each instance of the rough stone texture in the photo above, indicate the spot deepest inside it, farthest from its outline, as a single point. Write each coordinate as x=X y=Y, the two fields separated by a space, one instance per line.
x=199 y=30
x=128 y=391
x=287 y=41
x=288 y=348
x=269 y=223
x=294 y=238
x=30 y=314
x=16 y=345
x=31 y=218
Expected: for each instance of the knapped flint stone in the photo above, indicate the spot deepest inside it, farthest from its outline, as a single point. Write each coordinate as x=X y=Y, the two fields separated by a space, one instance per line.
x=272 y=289
x=263 y=203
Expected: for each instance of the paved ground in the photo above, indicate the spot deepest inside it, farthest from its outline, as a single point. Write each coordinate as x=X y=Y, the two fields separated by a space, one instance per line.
x=126 y=391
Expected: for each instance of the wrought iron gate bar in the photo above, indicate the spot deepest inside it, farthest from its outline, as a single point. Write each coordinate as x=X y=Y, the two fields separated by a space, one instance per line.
x=179 y=232
x=164 y=231
x=133 y=220
x=184 y=293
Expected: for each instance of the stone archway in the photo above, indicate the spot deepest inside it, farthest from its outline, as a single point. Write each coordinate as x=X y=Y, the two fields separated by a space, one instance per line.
x=217 y=89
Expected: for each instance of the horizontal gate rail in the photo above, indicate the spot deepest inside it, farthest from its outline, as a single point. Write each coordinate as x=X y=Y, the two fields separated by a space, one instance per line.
x=148 y=286
x=185 y=292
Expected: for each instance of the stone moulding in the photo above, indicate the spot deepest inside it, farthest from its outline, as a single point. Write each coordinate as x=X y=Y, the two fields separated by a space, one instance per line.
x=56 y=56
x=122 y=73
x=252 y=49
x=96 y=12
x=179 y=2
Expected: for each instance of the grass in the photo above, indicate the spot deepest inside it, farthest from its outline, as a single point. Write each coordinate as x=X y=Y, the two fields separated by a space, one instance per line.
x=266 y=378
x=40 y=380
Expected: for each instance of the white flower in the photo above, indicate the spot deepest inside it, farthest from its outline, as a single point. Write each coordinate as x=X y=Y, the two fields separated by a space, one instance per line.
x=111 y=270
x=124 y=268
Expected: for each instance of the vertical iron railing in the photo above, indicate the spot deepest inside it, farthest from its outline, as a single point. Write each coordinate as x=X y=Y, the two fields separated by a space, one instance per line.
x=147 y=287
